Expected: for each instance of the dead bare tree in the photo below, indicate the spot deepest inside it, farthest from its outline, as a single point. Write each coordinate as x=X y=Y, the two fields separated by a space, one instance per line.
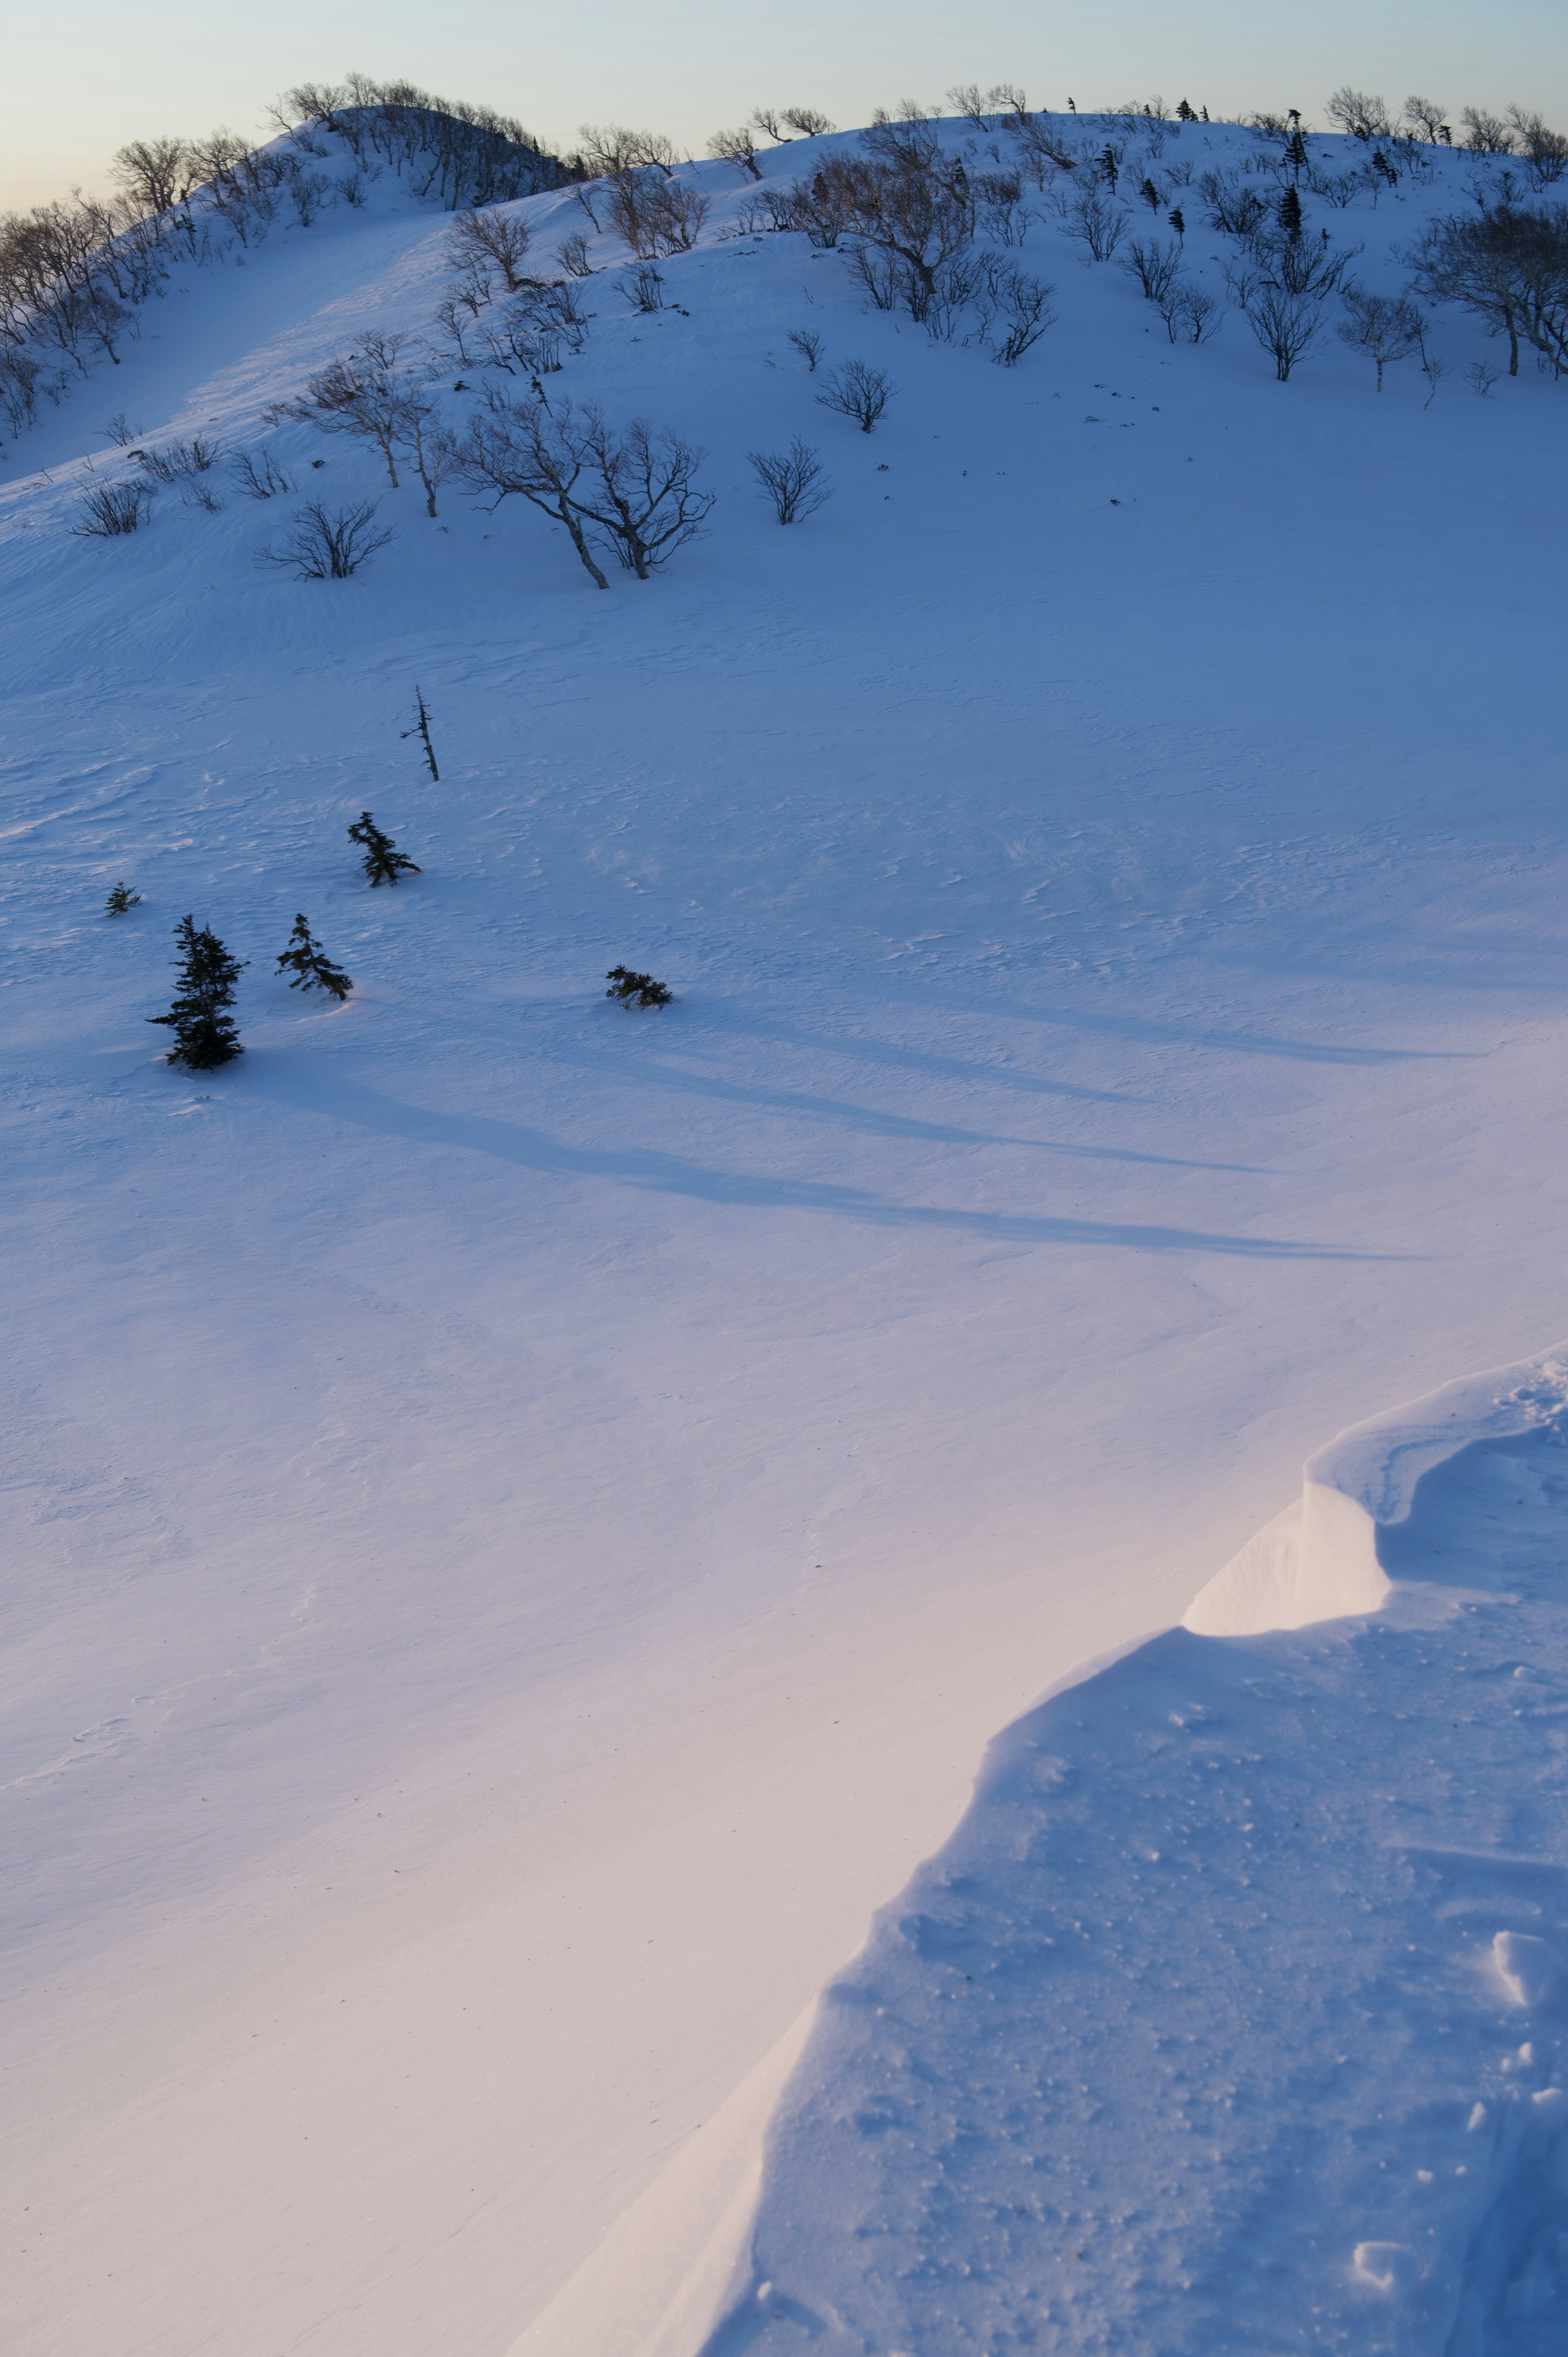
x=324 y=544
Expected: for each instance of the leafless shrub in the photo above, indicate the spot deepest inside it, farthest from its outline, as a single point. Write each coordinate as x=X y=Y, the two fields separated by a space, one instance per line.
x=113 y=509
x=1098 y=220
x=1385 y=327
x=310 y=191
x=18 y=389
x=882 y=275
x=574 y=257
x=857 y=390
x=1021 y=303
x=1002 y=215
x=656 y=216
x=794 y=479
x=809 y=344
x=1190 y=312
x=118 y=431
x=736 y=148
x=203 y=496
x=1234 y=208
x=643 y=287
x=352 y=188
x=1483 y=376
x=1039 y=149
x=488 y=241
x=199 y=456
x=809 y=121
x=327 y=545
x=257 y=476
x=1155 y=266
x=1433 y=368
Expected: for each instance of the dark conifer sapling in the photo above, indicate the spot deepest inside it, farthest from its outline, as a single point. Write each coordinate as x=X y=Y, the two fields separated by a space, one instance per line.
x=383 y=863
x=204 y=1032
x=121 y=898
x=635 y=990
x=1290 y=214
x=421 y=729
x=312 y=968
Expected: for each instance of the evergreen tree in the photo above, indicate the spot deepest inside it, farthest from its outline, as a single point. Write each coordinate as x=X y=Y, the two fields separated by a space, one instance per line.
x=635 y=990
x=204 y=1033
x=1150 y=195
x=1290 y=214
x=1295 y=154
x=383 y=863
x=121 y=898
x=313 y=969
x=1179 y=222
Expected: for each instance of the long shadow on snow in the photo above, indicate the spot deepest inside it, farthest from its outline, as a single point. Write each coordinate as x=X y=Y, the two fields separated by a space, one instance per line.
x=896 y=1124
x=668 y=1174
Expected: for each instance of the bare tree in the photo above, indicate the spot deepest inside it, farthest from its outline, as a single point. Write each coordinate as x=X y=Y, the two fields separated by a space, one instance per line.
x=736 y=148
x=327 y=545
x=611 y=148
x=634 y=494
x=1190 y=312
x=1509 y=267
x=809 y=344
x=857 y=390
x=809 y=121
x=538 y=455
x=1545 y=152
x=198 y=455
x=1155 y=266
x=574 y=257
x=1385 y=327
x=153 y=173
x=1430 y=122
x=1490 y=135
x=766 y=119
x=794 y=479
x=427 y=446
x=906 y=198
x=1433 y=368
x=489 y=239
x=1359 y=115
x=1286 y=324
x=362 y=395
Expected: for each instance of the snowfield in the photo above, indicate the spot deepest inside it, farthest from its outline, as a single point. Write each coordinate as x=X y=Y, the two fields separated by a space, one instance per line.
x=521 y=1518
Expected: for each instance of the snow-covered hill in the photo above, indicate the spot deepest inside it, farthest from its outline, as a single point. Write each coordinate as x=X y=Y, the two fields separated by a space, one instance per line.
x=522 y=1517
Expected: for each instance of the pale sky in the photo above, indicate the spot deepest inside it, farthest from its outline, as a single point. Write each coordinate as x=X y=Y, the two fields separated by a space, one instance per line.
x=84 y=76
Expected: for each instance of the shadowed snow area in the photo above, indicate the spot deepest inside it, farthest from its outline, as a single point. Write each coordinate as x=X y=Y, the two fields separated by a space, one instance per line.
x=1232 y=2016
x=520 y=1516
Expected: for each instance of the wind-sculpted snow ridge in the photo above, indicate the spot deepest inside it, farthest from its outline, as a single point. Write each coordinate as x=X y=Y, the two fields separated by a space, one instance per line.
x=1232 y=2016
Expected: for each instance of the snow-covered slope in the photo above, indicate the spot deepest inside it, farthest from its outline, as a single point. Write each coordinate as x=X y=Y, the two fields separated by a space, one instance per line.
x=1232 y=2017
x=521 y=1518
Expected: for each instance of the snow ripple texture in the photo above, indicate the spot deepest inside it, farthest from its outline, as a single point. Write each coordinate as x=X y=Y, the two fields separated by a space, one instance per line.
x=1232 y=2016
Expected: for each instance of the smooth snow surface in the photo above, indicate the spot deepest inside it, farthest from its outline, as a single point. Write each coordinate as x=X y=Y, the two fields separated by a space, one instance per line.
x=521 y=1518
x=1231 y=2019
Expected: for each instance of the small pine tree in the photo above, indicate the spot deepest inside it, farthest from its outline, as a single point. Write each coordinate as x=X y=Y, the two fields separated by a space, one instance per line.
x=383 y=863
x=1290 y=214
x=121 y=898
x=313 y=969
x=1179 y=222
x=1295 y=154
x=635 y=990
x=204 y=1032
x=1150 y=195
